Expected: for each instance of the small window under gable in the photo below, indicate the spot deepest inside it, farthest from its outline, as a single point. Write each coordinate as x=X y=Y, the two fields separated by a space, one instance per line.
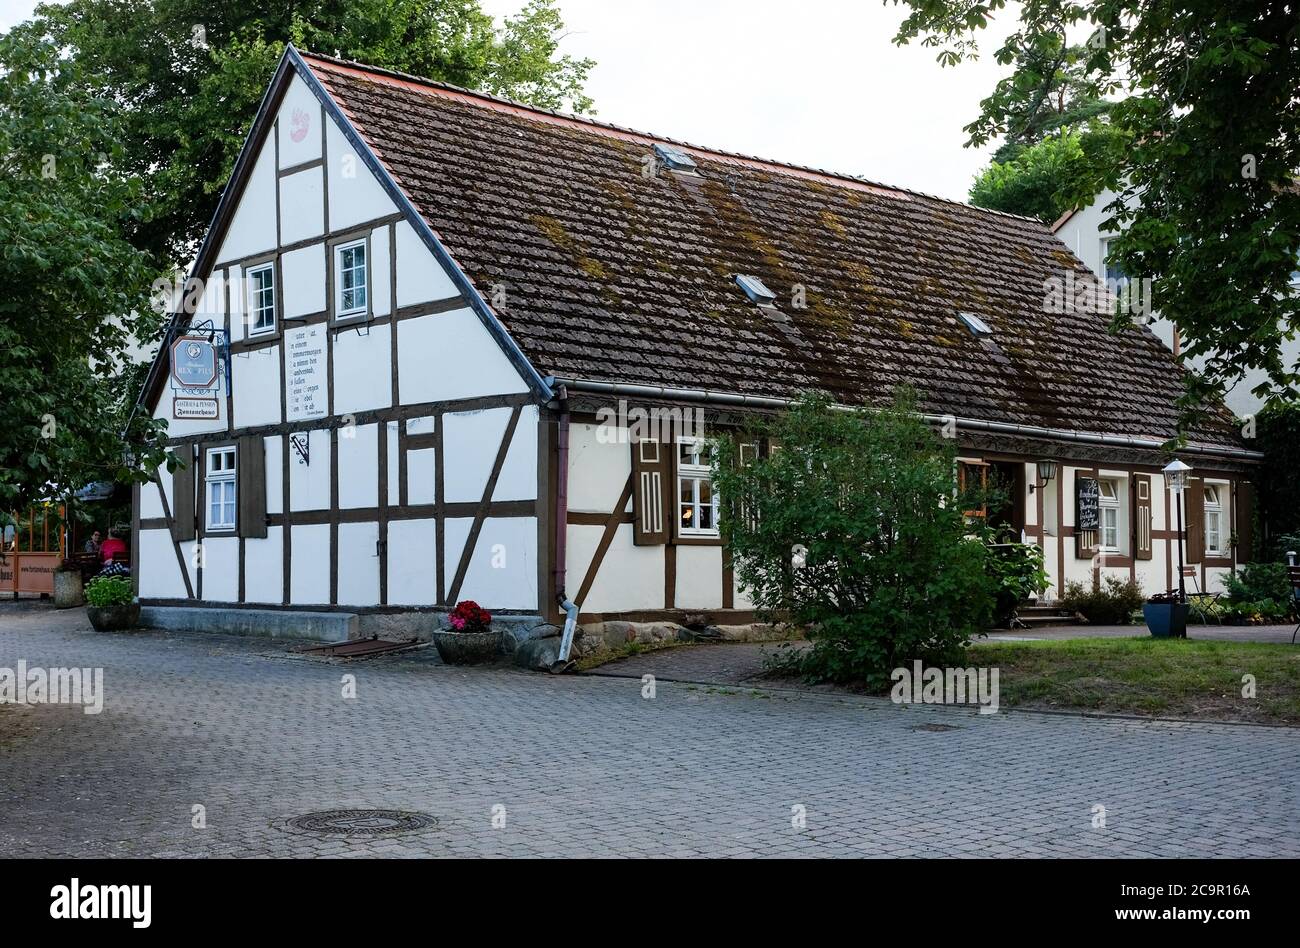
x=261 y=299
x=351 y=280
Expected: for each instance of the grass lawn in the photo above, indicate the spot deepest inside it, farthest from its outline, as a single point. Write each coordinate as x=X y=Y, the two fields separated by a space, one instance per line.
x=1166 y=677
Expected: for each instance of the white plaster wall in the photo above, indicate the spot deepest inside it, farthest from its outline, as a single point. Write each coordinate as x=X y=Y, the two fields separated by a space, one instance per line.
x=597 y=471
x=255 y=382
x=359 y=466
x=221 y=569
x=412 y=562
x=502 y=571
x=273 y=446
x=363 y=369
x=381 y=290
x=699 y=577
x=309 y=575
x=150 y=501
x=394 y=469
x=302 y=205
x=264 y=567
x=238 y=303
x=630 y=577
x=355 y=196
x=518 y=478
x=421 y=476
x=298 y=125
x=252 y=227
x=309 y=484
x=451 y=355
x=420 y=278
x=303 y=273
x=473 y=439
x=160 y=577
x=358 y=564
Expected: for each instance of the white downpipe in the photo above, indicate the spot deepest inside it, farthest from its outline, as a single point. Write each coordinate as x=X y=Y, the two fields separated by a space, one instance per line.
x=570 y=624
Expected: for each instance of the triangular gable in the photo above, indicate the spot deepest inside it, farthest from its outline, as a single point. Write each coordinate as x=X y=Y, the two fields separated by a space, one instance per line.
x=252 y=165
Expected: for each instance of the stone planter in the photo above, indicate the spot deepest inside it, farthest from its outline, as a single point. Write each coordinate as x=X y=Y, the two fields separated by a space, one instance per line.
x=69 y=592
x=468 y=648
x=114 y=618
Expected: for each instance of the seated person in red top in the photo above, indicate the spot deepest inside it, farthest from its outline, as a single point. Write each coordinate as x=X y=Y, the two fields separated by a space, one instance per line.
x=112 y=548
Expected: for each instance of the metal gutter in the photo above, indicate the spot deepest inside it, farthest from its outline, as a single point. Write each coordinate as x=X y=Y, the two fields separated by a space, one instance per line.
x=970 y=424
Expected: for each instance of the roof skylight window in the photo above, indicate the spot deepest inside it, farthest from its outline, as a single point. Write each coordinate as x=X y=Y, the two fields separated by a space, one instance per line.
x=978 y=328
x=755 y=290
x=674 y=159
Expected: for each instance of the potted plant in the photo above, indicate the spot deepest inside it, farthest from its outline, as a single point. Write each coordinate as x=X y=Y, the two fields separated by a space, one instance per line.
x=1166 y=616
x=110 y=604
x=469 y=638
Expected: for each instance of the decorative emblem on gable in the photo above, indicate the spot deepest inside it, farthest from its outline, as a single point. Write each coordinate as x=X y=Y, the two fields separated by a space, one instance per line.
x=299 y=125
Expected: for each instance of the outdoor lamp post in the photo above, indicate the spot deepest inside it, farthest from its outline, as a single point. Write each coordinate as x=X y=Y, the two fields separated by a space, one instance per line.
x=1046 y=471
x=1176 y=477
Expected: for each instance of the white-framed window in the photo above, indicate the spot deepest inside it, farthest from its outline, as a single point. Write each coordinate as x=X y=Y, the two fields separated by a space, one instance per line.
x=1214 y=532
x=1115 y=275
x=261 y=299
x=697 y=503
x=1108 y=513
x=351 y=286
x=221 y=490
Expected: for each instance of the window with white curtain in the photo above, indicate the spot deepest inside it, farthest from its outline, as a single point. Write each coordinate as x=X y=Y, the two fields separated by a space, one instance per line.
x=221 y=489
x=1214 y=539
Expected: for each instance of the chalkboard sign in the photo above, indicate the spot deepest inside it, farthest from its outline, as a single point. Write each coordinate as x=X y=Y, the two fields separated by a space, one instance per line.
x=1087 y=496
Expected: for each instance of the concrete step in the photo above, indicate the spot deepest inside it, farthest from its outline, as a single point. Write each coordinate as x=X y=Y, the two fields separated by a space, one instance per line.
x=268 y=623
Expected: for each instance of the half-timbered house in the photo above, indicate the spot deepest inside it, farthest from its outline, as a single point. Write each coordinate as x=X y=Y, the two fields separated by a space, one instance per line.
x=442 y=321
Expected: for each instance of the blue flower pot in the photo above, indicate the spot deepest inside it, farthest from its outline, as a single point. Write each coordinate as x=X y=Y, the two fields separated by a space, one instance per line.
x=1166 y=620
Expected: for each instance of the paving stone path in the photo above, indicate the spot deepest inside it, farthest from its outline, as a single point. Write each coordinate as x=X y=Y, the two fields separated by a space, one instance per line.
x=584 y=765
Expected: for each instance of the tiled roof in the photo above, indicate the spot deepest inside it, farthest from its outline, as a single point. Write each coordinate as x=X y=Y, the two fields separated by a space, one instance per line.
x=612 y=274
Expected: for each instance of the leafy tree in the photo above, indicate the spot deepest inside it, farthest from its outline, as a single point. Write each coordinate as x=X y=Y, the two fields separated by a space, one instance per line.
x=75 y=290
x=1031 y=183
x=1206 y=171
x=1278 y=478
x=1059 y=99
x=187 y=76
x=851 y=530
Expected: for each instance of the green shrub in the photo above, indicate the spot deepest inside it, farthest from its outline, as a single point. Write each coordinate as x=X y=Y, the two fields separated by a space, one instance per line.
x=109 y=591
x=851 y=530
x=1259 y=582
x=1110 y=603
x=1016 y=571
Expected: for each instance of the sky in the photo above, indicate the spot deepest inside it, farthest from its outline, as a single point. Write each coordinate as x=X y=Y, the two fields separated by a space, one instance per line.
x=813 y=82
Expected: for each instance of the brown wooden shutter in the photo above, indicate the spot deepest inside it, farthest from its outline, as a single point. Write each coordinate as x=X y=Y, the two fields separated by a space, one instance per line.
x=183 y=496
x=1085 y=541
x=250 y=472
x=1243 y=519
x=652 y=492
x=1194 y=519
x=1142 y=516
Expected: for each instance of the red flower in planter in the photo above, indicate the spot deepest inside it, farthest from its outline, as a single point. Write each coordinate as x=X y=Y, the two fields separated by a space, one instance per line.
x=469 y=616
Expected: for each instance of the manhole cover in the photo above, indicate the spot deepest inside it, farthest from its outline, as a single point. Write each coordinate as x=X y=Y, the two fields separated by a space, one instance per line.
x=935 y=727
x=360 y=823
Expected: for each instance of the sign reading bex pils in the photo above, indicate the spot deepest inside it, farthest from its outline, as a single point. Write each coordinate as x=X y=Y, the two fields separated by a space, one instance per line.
x=194 y=371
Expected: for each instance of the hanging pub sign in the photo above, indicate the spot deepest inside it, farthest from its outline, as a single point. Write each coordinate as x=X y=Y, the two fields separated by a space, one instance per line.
x=194 y=375
x=1087 y=507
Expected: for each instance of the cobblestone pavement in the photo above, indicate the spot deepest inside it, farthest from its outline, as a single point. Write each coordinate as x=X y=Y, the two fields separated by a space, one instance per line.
x=587 y=766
